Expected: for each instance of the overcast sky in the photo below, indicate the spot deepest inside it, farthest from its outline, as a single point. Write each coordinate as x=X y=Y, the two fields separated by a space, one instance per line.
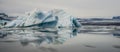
x=80 y=8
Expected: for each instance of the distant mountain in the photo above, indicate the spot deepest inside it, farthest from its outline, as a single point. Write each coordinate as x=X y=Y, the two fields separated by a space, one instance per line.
x=4 y=16
x=116 y=17
x=100 y=21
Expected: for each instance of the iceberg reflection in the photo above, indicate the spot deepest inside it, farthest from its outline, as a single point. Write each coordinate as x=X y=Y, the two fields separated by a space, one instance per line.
x=36 y=37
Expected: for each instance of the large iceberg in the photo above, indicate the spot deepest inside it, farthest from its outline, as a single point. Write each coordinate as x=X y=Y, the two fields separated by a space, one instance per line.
x=44 y=19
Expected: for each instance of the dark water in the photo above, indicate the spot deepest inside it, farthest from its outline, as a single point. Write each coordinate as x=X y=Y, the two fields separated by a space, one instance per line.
x=84 y=39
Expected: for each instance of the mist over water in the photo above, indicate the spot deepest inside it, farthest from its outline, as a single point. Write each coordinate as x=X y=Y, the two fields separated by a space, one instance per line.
x=84 y=39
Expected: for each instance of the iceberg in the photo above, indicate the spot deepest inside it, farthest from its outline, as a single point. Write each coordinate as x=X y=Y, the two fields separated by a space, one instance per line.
x=54 y=18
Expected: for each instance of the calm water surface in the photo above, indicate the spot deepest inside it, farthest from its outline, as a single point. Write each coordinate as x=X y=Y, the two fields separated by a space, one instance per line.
x=84 y=39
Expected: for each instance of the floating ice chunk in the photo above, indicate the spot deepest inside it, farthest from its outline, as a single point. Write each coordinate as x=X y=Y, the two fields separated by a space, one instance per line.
x=53 y=18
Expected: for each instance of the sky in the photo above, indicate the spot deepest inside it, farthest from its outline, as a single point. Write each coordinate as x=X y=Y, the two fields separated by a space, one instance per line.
x=78 y=8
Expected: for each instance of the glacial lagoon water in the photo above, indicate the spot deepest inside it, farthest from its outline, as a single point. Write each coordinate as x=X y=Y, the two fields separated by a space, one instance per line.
x=84 y=39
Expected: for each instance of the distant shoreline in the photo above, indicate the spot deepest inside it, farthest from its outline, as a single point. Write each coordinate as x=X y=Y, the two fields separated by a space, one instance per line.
x=102 y=23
